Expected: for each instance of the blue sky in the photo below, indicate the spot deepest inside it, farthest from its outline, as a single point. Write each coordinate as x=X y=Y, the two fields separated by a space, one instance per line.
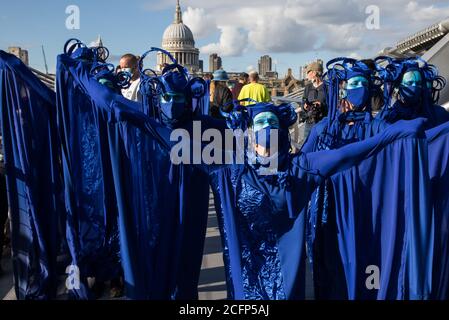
x=293 y=32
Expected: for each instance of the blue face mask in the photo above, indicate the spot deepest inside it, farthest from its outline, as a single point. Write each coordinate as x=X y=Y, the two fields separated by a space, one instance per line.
x=357 y=91
x=128 y=70
x=173 y=102
x=173 y=108
x=411 y=87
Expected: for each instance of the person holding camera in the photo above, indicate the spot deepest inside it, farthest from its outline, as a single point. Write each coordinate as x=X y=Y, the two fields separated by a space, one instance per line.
x=314 y=107
x=314 y=94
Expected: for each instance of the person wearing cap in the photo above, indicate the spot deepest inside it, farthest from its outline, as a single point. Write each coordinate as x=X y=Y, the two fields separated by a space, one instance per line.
x=314 y=98
x=254 y=91
x=243 y=81
x=220 y=95
x=314 y=93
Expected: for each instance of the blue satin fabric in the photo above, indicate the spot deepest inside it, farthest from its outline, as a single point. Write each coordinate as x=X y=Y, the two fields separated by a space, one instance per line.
x=438 y=139
x=383 y=219
x=322 y=248
x=91 y=205
x=162 y=207
x=264 y=247
x=435 y=114
x=31 y=147
x=336 y=229
x=274 y=257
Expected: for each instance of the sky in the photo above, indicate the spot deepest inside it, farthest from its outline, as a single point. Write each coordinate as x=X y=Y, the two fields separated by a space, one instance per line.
x=292 y=32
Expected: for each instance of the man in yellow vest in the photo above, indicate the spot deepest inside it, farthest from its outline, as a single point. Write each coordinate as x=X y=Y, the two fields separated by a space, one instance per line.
x=254 y=90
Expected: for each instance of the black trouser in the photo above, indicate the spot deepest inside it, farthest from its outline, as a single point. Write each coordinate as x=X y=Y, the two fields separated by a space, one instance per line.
x=3 y=211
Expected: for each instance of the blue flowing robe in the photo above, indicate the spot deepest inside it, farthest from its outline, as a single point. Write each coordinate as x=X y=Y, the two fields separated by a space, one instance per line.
x=359 y=210
x=438 y=139
x=162 y=207
x=264 y=245
x=91 y=205
x=322 y=244
x=31 y=146
x=384 y=220
x=435 y=114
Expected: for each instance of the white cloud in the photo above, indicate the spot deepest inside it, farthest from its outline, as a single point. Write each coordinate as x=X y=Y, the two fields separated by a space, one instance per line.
x=425 y=13
x=199 y=22
x=232 y=42
x=272 y=31
x=343 y=38
x=317 y=12
x=355 y=55
x=250 y=69
x=293 y=26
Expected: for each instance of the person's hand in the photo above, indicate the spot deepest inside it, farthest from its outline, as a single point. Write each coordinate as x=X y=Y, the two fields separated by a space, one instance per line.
x=346 y=106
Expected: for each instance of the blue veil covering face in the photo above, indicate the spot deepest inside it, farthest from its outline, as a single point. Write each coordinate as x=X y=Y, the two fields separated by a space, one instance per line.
x=263 y=218
x=118 y=179
x=341 y=126
x=411 y=90
x=177 y=208
x=352 y=213
x=347 y=81
x=162 y=207
x=31 y=146
x=438 y=139
x=91 y=204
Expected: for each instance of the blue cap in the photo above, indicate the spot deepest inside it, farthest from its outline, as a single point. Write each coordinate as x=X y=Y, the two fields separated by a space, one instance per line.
x=220 y=75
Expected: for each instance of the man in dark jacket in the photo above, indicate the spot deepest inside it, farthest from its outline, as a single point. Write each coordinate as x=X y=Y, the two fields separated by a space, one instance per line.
x=314 y=94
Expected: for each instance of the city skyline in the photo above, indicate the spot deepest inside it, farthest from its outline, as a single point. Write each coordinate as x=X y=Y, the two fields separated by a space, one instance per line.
x=211 y=34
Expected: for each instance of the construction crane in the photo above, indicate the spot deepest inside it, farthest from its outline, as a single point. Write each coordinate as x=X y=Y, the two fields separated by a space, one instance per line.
x=45 y=60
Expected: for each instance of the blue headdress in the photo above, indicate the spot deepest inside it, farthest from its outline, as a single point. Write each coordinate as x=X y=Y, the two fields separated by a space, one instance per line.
x=242 y=117
x=428 y=92
x=103 y=72
x=339 y=71
x=174 y=95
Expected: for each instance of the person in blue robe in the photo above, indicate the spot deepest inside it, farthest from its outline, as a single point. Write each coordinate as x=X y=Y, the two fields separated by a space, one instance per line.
x=438 y=139
x=350 y=86
x=341 y=220
x=411 y=90
x=161 y=241
x=266 y=258
x=262 y=264
x=91 y=205
x=31 y=155
x=176 y=100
